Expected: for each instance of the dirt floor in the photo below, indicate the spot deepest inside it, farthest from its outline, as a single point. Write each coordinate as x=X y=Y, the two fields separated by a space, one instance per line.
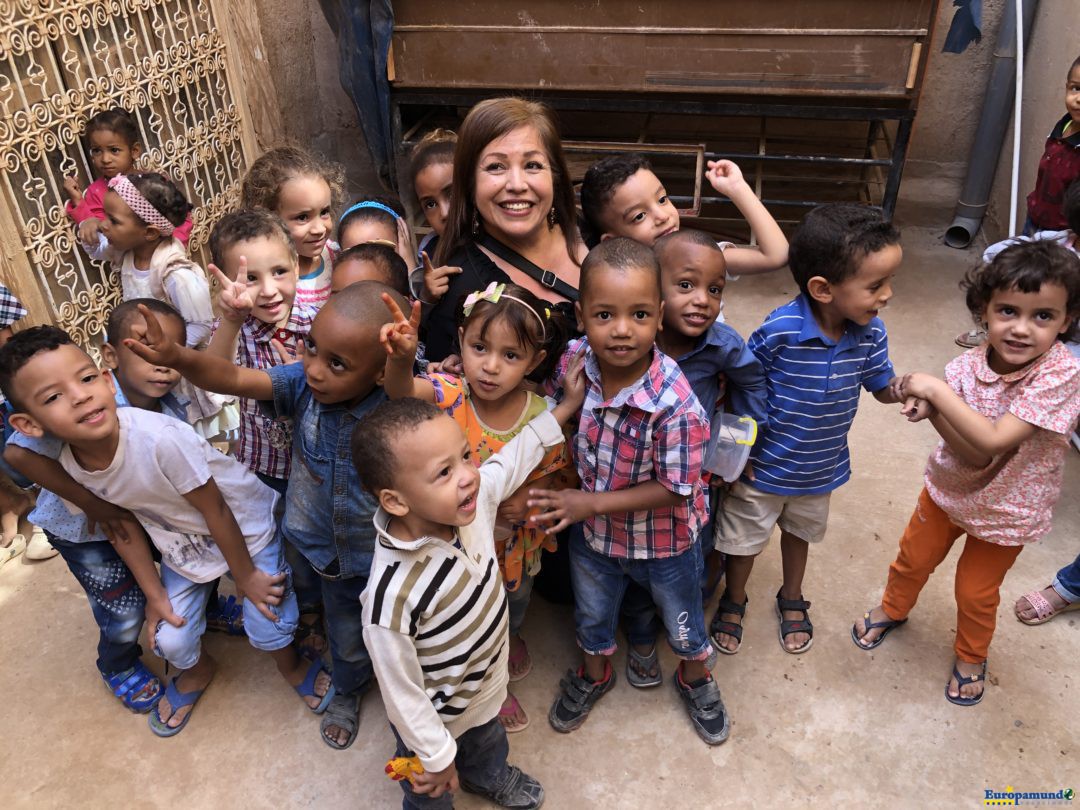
x=835 y=727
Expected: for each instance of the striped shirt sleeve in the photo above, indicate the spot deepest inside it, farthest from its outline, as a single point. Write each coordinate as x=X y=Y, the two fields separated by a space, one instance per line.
x=878 y=370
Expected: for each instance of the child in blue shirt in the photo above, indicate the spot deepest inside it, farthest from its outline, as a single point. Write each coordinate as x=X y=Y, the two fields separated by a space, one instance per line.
x=328 y=515
x=817 y=351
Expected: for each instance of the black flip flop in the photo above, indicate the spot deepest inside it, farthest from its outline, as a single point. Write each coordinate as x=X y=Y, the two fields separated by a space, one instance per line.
x=888 y=625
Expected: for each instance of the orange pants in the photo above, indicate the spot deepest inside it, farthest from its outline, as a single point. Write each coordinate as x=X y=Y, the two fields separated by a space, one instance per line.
x=979 y=573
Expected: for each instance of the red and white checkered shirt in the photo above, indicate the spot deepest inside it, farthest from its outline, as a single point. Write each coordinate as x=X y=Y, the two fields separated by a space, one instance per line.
x=652 y=430
x=265 y=444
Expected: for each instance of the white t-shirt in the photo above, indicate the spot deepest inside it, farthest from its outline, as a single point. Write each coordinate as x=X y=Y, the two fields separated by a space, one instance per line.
x=157 y=461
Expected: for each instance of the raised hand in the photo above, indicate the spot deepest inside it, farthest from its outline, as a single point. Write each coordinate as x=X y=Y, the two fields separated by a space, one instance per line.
x=154 y=348
x=73 y=189
x=724 y=176
x=88 y=231
x=235 y=299
x=437 y=279
x=283 y=356
x=401 y=337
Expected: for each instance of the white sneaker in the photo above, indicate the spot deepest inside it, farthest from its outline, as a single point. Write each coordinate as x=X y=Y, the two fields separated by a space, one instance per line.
x=10 y=552
x=38 y=548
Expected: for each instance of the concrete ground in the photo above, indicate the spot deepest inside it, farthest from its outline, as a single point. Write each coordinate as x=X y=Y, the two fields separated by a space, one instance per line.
x=834 y=727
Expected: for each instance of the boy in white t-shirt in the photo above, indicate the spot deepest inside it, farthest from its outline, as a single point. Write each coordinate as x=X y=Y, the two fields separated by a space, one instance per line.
x=192 y=501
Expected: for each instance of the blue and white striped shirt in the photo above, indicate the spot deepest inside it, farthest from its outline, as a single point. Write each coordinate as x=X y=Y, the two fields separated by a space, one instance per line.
x=813 y=384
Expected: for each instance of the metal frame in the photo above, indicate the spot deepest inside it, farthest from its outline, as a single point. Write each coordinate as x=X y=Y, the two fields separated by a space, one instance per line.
x=677 y=105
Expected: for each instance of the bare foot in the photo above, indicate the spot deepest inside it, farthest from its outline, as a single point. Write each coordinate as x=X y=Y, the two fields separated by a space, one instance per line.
x=1024 y=610
x=190 y=680
x=968 y=690
x=519 y=663
x=511 y=715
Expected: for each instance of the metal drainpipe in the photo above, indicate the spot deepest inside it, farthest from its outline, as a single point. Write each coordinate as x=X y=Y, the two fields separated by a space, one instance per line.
x=994 y=120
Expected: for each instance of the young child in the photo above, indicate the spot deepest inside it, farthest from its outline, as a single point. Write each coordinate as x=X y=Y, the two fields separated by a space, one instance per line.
x=191 y=500
x=112 y=138
x=713 y=356
x=379 y=220
x=638 y=449
x=327 y=514
x=442 y=663
x=370 y=261
x=817 y=351
x=431 y=169
x=1004 y=413
x=507 y=336
x=1059 y=166
x=303 y=190
x=621 y=196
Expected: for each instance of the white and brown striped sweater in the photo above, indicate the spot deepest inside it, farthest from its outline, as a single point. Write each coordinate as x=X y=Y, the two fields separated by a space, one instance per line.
x=435 y=616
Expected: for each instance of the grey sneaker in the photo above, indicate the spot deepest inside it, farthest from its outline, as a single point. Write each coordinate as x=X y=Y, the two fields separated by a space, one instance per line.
x=706 y=709
x=576 y=699
x=519 y=790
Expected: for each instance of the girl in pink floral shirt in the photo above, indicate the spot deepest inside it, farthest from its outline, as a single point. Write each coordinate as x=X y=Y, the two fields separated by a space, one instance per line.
x=1004 y=412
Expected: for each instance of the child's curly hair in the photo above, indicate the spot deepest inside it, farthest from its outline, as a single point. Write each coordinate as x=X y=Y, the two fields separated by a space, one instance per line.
x=163 y=194
x=116 y=120
x=602 y=180
x=270 y=171
x=1026 y=267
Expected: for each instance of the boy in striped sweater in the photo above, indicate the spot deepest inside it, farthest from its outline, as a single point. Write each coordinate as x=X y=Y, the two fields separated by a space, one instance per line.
x=435 y=610
x=817 y=351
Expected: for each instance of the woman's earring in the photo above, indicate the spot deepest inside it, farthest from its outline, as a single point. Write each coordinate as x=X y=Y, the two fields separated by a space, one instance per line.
x=475 y=224
x=551 y=219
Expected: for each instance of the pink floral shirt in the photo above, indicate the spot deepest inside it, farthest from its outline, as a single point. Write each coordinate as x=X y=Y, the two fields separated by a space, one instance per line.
x=1010 y=501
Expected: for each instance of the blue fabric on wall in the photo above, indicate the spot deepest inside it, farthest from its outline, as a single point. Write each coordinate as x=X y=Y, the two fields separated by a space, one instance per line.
x=966 y=26
x=363 y=29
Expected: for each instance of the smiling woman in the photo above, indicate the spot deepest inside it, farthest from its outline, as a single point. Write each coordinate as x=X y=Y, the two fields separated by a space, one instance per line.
x=512 y=216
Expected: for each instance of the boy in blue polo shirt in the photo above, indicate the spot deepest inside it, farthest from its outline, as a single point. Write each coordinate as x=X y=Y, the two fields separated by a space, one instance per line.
x=817 y=351
x=328 y=515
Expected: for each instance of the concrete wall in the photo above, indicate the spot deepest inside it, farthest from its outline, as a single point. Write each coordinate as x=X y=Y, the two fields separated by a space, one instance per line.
x=1055 y=43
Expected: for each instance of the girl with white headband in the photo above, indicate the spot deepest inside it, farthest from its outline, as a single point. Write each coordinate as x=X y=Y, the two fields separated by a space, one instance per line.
x=508 y=337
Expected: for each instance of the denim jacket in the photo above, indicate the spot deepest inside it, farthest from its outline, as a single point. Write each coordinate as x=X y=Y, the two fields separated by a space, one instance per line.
x=328 y=515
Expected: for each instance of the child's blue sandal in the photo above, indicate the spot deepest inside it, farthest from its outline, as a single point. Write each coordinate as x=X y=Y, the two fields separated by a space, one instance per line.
x=131 y=683
x=177 y=700
x=307 y=688
x=965 y=680
x=227 y=616
x=887 y=627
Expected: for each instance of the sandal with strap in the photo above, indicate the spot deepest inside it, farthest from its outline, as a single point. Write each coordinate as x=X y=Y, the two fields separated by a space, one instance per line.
x=964 y=680
x=227 y=616
x=889 y=625
x=522 y=661
x=718 y=625
x=1044 y=611
x=177 y=701
x=307 y=688
x=308 y=630
x=645 y=664
x=131 y=683
x=343 y=711
x=512 y=711
x=789 y=626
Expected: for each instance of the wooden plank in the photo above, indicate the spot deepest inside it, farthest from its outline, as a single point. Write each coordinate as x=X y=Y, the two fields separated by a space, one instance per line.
x=16 y=272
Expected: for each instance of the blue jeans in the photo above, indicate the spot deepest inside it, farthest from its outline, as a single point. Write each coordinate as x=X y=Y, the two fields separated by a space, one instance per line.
x=305 y=579
x=115 y=599
x=182 y=646
x=1067 y=582
x=518 y=602
x=672 y=583
x=481 y=761
x=352 y=671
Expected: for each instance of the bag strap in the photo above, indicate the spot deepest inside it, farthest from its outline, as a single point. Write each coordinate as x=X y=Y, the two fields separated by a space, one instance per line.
x=545 y=277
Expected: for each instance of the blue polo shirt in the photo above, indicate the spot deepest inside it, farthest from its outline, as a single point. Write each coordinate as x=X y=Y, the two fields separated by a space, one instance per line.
x=722 y=351
x=329 y=517
x=813 y=392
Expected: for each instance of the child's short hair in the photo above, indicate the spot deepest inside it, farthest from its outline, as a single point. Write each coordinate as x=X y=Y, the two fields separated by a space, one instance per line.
x=1073 y=66
x=536 y=325
x=602 y=180
x=371 y=209
x=1070 y=206
x=374 y=437
x=116 y=120
x=19 y=350
x=691 y=235
x=392 y=267
x=246 y=225
x=832 y=241
x=163 y=194
x=118 y=326
x=436 y=146
x=272 y=170
x=362 y=303
x=618 y=253
x=1026 y=267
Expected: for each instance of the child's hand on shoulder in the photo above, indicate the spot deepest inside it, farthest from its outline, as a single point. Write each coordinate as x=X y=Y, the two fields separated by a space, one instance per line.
x=154 y=347
x=401 y=337
x=437 y=279
x=263 y=590
x=73 y=189
x=560 y=509
x=725 y=177
x=436 y=783
x=235 y=300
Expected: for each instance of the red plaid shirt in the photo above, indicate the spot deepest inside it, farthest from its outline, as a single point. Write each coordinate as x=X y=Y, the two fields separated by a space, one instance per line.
x=653 y=430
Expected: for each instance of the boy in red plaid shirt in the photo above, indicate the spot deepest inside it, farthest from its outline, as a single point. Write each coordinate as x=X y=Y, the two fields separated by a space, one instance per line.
x=641 y=506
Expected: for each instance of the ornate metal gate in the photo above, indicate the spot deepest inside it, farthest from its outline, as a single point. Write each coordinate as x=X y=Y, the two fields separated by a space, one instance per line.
x=168 y=62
